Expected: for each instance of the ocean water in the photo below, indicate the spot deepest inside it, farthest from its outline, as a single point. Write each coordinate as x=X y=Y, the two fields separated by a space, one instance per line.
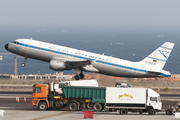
x=124 y=43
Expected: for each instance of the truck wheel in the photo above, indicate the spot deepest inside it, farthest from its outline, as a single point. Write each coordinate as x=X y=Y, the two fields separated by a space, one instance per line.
x=89 y=105
x=168 y=112
x=97 y=107
x=123 y=111
x=73 y=106
x=42 y=106
x=151 y=112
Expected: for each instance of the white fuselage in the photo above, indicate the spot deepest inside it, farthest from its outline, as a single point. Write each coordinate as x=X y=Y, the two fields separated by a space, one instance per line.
x=102 y=64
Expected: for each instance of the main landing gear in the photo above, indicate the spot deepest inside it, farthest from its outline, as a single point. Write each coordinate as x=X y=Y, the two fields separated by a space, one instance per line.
x=24 y=64
x=78 y=76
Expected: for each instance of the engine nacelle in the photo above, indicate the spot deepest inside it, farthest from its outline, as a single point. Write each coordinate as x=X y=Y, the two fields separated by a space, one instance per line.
x=57 y=65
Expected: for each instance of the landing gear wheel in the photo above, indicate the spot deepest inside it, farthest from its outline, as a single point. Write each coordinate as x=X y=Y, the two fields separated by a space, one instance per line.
x=81 y=75
x=151 y=112
x=77 y=77
x=23 y=64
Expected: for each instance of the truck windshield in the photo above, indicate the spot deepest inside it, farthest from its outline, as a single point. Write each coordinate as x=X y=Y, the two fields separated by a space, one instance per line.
x=153 y=99
x=37 y=90
x=159 y=99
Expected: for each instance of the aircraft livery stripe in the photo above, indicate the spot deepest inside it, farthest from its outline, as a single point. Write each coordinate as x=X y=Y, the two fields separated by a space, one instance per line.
x=80 y=57
x=164 y=75
x=156 y=59
x=166 y=48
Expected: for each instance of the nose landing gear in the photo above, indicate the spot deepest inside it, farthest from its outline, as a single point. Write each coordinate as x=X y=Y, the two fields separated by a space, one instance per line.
x=24 y=64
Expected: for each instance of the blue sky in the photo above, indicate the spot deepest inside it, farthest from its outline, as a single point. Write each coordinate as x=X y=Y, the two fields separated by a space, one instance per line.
x=90 y=13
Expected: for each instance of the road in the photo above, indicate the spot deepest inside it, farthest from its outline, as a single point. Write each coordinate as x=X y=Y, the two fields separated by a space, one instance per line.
x=7 y=99
x=23 y=110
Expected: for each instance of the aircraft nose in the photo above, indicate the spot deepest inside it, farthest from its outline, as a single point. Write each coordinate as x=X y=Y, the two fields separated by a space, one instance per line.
x=6 y=46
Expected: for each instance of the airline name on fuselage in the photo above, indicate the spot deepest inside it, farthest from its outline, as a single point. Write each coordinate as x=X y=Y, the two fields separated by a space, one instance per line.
x=78 y=53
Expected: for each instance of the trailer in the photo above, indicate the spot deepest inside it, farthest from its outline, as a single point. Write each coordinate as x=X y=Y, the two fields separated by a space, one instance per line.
x=90 y=96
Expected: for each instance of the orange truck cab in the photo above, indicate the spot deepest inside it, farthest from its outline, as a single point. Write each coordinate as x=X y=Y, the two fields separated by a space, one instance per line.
x=40 y=96
x=44 y=98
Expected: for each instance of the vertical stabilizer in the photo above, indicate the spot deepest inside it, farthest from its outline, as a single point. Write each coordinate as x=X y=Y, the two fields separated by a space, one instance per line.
x=159 y=57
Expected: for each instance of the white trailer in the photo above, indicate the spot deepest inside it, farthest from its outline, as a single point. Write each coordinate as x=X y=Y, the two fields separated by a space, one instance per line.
x=133 y=99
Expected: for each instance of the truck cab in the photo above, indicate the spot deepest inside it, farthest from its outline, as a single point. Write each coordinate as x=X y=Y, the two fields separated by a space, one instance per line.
x=40 y=96
x=154 y=100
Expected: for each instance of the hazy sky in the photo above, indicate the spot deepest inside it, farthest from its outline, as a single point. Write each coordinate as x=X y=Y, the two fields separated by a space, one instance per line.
x=90 y=12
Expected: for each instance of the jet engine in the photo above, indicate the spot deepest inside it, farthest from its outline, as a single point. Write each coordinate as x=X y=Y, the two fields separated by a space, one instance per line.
x=57 y=65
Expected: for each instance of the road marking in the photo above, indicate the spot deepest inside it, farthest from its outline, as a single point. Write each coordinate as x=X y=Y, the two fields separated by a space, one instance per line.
x=51 y=115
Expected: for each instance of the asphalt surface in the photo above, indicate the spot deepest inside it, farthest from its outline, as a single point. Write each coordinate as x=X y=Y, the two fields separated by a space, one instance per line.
x=23 y=110
x=8 y=100
x=11 y=103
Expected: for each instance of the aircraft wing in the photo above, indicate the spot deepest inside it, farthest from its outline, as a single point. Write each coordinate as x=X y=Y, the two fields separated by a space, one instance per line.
x=85 y=65
x=73 y=63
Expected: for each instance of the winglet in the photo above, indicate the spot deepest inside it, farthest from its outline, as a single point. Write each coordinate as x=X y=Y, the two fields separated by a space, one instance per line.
x=159 y=57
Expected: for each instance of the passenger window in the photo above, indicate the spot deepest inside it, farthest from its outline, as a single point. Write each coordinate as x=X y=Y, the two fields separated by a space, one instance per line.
x=153 y=99
x=37 y=90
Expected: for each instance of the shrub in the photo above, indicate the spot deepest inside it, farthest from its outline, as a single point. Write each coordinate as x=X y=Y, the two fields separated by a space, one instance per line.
x=166 y=89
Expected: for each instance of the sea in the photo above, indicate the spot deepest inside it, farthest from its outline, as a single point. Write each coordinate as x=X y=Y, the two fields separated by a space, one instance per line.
x=131 y=44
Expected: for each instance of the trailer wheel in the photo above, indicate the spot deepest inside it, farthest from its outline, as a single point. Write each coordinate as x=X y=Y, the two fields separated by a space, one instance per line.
x=89 y=105
x=123 y=111
x=151 y=112
x=42 y=106
x=73 y=106
x=97 y=107
x=168 y=112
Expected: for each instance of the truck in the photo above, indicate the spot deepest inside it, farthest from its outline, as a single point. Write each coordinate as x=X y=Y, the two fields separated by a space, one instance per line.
x=133 y=100
x=51 y=95
x=123 y=100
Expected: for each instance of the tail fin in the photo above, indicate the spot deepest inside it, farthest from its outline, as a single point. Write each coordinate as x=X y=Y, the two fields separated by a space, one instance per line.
x=159 y=57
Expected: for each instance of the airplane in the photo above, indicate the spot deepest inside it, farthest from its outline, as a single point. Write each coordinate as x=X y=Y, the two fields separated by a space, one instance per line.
x=62 y=58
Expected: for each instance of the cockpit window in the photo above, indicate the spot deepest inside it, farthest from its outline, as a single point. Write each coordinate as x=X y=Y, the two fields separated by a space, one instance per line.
x=15 y=42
